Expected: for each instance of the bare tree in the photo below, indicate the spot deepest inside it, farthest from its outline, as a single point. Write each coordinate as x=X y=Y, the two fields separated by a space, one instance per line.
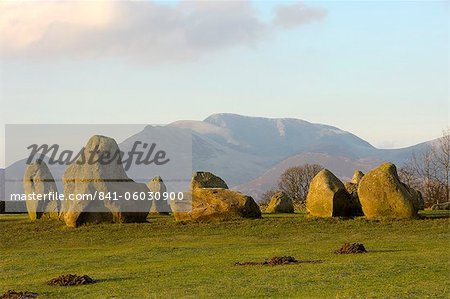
x=441 y=160
x=407 y=175
x=295 y=181
x=267 y=196
x=429 y=171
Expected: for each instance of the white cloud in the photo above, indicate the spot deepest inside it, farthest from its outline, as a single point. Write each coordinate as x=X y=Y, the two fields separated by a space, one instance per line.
x=298 y=14
x=143 y=31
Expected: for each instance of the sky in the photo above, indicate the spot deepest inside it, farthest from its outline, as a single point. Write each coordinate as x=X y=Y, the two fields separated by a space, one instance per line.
x=378 y=69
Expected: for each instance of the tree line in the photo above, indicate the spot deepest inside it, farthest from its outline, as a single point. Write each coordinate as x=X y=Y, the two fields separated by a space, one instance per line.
x=429 y=171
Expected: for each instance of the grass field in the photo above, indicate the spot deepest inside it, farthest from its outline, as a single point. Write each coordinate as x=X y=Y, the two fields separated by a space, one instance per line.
x=406 y=259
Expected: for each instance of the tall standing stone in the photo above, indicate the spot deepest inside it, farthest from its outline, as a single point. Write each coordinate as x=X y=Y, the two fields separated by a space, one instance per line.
x=160 y=203
x=352 y=189
x=104 y=174
x=38 y=181
x=383 y=195
x=327 y=197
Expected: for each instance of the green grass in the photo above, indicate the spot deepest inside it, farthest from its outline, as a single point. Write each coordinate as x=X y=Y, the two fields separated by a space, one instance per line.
x=406 y=259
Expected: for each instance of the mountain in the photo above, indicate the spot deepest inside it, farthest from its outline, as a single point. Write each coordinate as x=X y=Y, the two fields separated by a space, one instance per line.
x=282 y=137
x=250 y=153
x=240 y=148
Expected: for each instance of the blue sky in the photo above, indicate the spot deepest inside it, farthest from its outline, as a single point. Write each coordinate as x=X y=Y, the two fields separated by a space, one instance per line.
x=377 y=69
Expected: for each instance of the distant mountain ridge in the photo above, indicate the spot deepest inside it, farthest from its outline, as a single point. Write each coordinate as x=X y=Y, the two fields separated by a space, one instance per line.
x=254 y=151
x=250 y=153
x=276 y=136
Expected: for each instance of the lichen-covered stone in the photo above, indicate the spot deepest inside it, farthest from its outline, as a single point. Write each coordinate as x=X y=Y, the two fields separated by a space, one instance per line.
x=352 y=189
x=85 y=178
x=383 y=195
x=204 y=179
x=209 y=203
x=357 y=176
x=327 y=197
x=280 y=203
x=217 y=204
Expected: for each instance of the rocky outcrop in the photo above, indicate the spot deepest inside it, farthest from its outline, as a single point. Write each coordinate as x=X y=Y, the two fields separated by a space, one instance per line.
x=327 y=197
x=206 y=202
x=280 y=203
x=160 y=203
x=41 y=192
x=383 y=195
x=103 y=176
x=204 y=179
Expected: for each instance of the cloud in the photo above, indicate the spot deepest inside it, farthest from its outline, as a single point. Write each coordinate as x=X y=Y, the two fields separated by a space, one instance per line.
x=298 y=14
x=144 y=31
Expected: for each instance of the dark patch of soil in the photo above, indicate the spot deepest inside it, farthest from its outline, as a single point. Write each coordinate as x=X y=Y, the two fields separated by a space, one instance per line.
x=18 y=295
x=281 y=260
x=70 y=280
x=277 y=260
x=348 y=248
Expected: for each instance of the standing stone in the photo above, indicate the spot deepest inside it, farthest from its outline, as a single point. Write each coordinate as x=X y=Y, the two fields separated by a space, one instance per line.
x=211 y=203
x=418 y=202
x=161 y=205
x=280 y=203
x=204 y=179
x=38 y=180
x=327 y=197
x=352 y=189
x=104 y=174
x=357 y=176
x=382 y=195
x=441 y=206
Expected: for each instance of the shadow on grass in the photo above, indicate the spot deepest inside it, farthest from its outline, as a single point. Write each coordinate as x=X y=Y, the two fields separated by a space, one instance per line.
x=10 y=220
x=13 y=217
x=434 y=215
x=281 y=215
